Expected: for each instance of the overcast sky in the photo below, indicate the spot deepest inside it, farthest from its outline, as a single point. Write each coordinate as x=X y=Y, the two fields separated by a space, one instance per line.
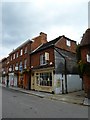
x=22 y=20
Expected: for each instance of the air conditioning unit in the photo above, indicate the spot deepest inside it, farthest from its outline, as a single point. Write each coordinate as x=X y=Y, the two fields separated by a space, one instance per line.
x=46 y=56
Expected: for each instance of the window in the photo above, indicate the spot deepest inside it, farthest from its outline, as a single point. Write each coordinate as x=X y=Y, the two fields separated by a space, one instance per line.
x=25 y=63
x=13 y=56
x=88 y=58
x=13 y=67
x=17 y=55
x=20 y=66
x=44 y=79
x=25 y=50
x=43 y=60
x=21 y=52
x=16 y=67
x=68 y=43
x=16 y=64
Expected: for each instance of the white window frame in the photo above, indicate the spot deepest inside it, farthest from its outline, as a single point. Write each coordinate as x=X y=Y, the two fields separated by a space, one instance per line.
x=25 y=50
x=68 y=43
x=11 y=58
x=44 y=79
x=88 y=58
x=21 y=52
x=25 y=63
x=14 y=56
x=17 y=55
x=42 y=59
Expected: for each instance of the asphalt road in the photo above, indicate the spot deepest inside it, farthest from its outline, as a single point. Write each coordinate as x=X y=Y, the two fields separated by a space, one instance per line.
x=19 y=105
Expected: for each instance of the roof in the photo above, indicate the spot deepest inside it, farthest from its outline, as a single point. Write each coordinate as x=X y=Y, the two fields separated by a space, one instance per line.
x=86 y=38
x=49 y=44
x=23 y=44
x=46 y=45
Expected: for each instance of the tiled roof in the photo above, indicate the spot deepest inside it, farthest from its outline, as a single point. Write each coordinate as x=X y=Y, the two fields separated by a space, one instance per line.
x=46 y=45
x=49 y=44
x=86 y=38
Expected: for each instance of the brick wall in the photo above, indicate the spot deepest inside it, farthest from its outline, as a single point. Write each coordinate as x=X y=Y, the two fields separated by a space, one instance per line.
x=63 y=45
x=37 y=41
x=35 y=58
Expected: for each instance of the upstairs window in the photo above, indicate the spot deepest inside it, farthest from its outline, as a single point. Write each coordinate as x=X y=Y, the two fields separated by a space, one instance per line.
x=20 y=66
x=13 y=56
x=17 y=55
x=68 y=43
x=88 y=58
x=25 y=63
x=21 y=52
x=25 y=50
x=44 y=58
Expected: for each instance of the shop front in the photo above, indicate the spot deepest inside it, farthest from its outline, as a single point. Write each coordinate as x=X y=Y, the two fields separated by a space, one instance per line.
x=42 y=80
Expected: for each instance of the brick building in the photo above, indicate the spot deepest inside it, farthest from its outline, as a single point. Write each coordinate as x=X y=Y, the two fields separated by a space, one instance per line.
x=56 y=60
x=20 y=62
x=4 y=70
x=85 y=58
x=46 y=66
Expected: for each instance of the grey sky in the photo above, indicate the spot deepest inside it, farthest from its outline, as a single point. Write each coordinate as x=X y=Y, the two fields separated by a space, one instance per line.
x=25 y=20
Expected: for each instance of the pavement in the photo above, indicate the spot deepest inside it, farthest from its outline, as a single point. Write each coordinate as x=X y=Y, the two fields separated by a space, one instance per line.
x=74 y=97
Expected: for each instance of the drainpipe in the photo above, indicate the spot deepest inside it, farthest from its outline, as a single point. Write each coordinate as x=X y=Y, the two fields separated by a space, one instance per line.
x=65 y=67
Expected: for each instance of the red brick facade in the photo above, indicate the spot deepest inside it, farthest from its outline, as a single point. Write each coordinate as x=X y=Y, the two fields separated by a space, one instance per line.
x=62 y=43
x=35 y=58
x=85 y=50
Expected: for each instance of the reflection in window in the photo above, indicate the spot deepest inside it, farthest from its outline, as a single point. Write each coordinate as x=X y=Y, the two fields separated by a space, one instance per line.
x=44 y=79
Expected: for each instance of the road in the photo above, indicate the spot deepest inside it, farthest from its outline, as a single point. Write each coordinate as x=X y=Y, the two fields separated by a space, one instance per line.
x=20 y=105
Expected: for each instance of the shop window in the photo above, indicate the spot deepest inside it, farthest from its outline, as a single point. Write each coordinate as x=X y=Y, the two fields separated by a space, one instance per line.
x=44 y=79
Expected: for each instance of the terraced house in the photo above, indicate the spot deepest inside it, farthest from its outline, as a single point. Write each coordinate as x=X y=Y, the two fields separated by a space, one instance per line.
x=45 y=66
x=20 y=62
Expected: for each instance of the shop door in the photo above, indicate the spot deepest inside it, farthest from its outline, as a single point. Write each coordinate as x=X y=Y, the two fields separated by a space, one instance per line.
x=32 y=82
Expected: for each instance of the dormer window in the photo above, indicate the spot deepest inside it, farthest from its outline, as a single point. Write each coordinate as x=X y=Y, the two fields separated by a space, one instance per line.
x=88 y=57
x=68 y=43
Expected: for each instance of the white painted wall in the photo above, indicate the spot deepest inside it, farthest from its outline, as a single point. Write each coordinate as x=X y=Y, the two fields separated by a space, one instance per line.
x=15 y=80
x=74 y=83
x=58 y=83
